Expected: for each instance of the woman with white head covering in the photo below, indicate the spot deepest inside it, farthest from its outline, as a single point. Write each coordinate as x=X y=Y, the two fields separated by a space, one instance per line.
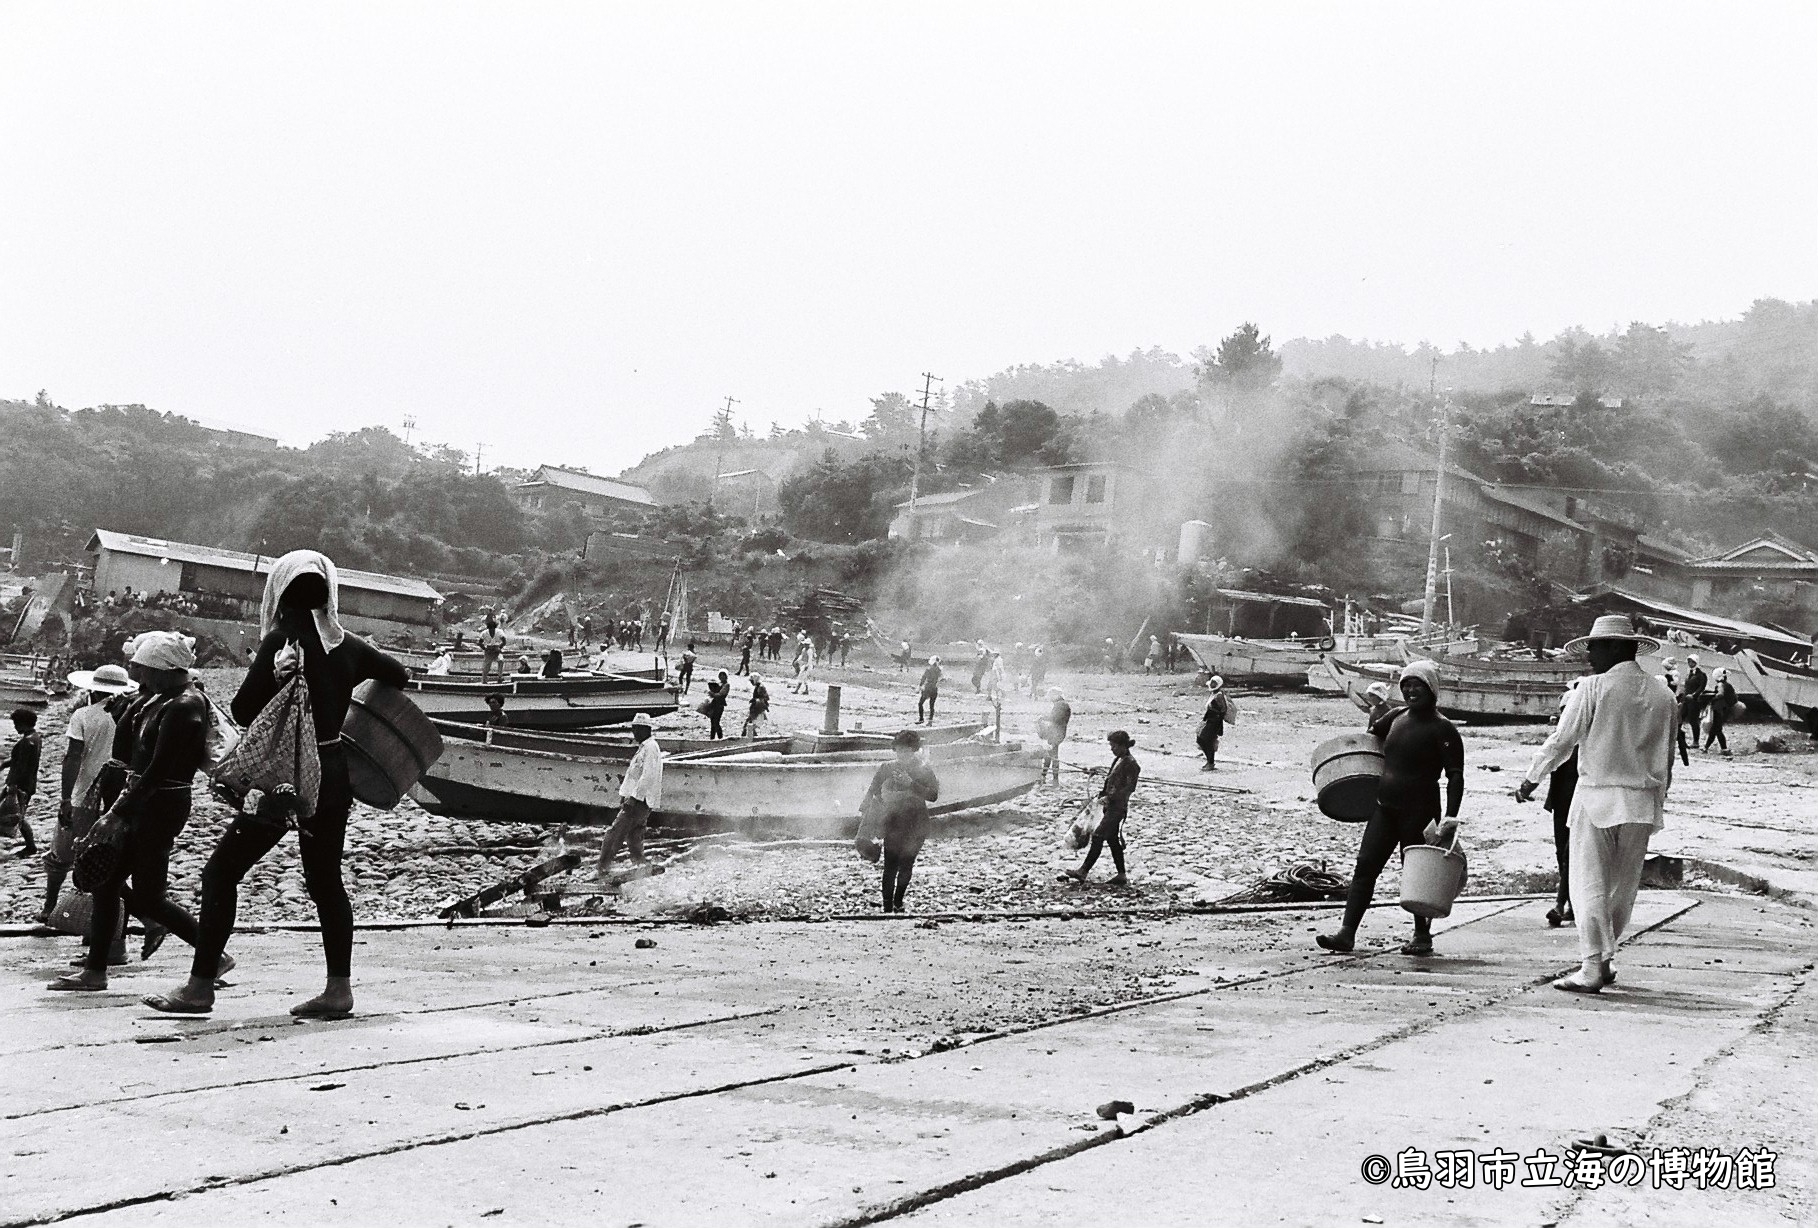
x=1723 y=701
x=1212 y=723
x=300 y=622
x=1418 y=747
x=161 y=737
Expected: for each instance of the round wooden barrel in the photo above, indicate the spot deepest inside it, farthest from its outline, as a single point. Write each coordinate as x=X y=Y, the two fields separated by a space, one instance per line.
x=1346 y=772
x=390 y=744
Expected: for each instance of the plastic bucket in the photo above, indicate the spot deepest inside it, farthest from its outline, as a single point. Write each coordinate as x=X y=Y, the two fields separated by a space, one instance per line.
x=1431 y=878
x=1346 y=773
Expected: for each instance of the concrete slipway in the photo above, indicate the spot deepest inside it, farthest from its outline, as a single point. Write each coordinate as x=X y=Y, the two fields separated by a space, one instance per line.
x=861 y=1072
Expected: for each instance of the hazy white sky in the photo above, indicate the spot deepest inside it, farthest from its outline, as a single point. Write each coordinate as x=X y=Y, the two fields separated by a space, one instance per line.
x=568 y=230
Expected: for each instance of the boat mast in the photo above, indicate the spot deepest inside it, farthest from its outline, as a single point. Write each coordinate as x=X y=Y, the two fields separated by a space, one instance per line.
x=1439 y=494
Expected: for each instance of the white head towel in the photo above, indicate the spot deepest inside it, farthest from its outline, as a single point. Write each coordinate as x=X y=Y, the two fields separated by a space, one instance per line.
x=287 y=569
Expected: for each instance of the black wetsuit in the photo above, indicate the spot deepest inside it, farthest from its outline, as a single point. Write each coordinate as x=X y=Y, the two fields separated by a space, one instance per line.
x=1416 y=752
x=331 y=678
x=161 y=738
x=901 y=792
x=1561 y=785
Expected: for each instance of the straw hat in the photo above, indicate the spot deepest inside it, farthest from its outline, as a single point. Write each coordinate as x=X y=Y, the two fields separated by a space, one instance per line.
x=1616 y=627
x=108 y=680
x=643 y=719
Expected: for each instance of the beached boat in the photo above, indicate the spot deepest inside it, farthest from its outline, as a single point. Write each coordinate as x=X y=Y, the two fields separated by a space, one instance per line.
x=803 y=782
x=1790 y=691
x=545 y=703
x=1563 y=669
x=1287 y=663
x=1477 y=702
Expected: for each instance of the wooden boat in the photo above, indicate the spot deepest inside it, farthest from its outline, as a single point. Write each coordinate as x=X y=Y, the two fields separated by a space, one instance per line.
x=1286 y=663
x=1790 y=691
x=1561 y=670
x=1477 y=702
x=24 y=693
x=620 y=745
x=802 y=782
x=545 y=703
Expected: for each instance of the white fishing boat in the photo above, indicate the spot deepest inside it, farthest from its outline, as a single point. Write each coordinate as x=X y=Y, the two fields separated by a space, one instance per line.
x=1477 y=702
x=1563 y=669
x=544 y=703
x=802 y=781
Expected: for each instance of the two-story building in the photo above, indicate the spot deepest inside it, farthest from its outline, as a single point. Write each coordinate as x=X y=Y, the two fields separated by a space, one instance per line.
x=974 y=513
x=1087 y=506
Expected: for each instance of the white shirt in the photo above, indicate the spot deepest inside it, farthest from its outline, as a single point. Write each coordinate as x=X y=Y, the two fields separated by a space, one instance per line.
x=644 y=777
x=1621 y=723
x=93 y=728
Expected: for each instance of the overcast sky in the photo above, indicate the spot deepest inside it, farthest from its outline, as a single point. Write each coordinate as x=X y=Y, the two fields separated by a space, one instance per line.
x=569 y=230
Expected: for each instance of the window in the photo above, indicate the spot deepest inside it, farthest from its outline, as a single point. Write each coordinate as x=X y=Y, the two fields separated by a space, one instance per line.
x=1095 y=489
x=1410 y=482
x=1060 y=490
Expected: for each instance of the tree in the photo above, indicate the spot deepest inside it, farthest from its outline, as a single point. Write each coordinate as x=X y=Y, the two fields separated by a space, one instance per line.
x=892 y=416
x=1648 y=361
x=1580 y=365
x=722 y=428
x=1245 y=363
x=837 y=501
x=1764 y=436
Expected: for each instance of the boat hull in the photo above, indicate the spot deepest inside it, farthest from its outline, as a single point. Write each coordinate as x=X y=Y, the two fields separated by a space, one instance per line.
x=1790 y=691
x=544 y=703
x=762 y=787
x=1287 y=663
x=1479 y=703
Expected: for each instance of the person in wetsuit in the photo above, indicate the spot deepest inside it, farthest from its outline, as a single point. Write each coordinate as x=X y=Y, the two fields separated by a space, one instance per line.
x=300 y=617
x=899 y=794
x=160 y=736
x=1561 y=785
x=1418 y=747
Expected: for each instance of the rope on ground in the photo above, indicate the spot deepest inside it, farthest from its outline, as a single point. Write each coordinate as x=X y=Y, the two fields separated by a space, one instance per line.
x=1303 y=882
x=1191 y=786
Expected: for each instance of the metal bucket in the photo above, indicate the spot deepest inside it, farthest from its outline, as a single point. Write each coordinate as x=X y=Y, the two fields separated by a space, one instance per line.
x=1346 y=772
x=1431 y=878
x=390 y=744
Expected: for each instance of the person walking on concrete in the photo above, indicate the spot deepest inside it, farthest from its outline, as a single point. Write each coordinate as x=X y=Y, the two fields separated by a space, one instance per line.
x=1621 y=723
x=1114 y=798
x=929 y=693
x=89 y=743
x=1562 y=782
x=302 y=635
x=1212 y=723
x=1419 y=746
x=640 y=793
x=492 y=650
x=1052 y=729
x=898 y=801
x=1722 y=703
x=161 y=739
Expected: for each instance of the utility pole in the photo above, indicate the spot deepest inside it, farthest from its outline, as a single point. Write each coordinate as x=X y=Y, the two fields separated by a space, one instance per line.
x=1433 y=375
x=719 y=448
x=479 y=450
x=410 y=424
x=1439 y=494
x=921 y=440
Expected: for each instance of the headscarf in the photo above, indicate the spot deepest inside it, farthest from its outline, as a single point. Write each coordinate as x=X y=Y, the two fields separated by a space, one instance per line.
x=162 y=650
x=1054 y=693
x=1215 y=683
x=1426 y=671
x=1379 y=691
x=288 y=568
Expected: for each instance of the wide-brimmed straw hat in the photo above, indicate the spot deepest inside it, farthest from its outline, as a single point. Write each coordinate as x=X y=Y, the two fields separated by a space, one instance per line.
x=109 y=680
x=1615 y=627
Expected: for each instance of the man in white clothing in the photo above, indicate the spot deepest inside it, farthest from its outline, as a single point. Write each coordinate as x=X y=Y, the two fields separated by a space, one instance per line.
x=639 y=793
x=1621 y=722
